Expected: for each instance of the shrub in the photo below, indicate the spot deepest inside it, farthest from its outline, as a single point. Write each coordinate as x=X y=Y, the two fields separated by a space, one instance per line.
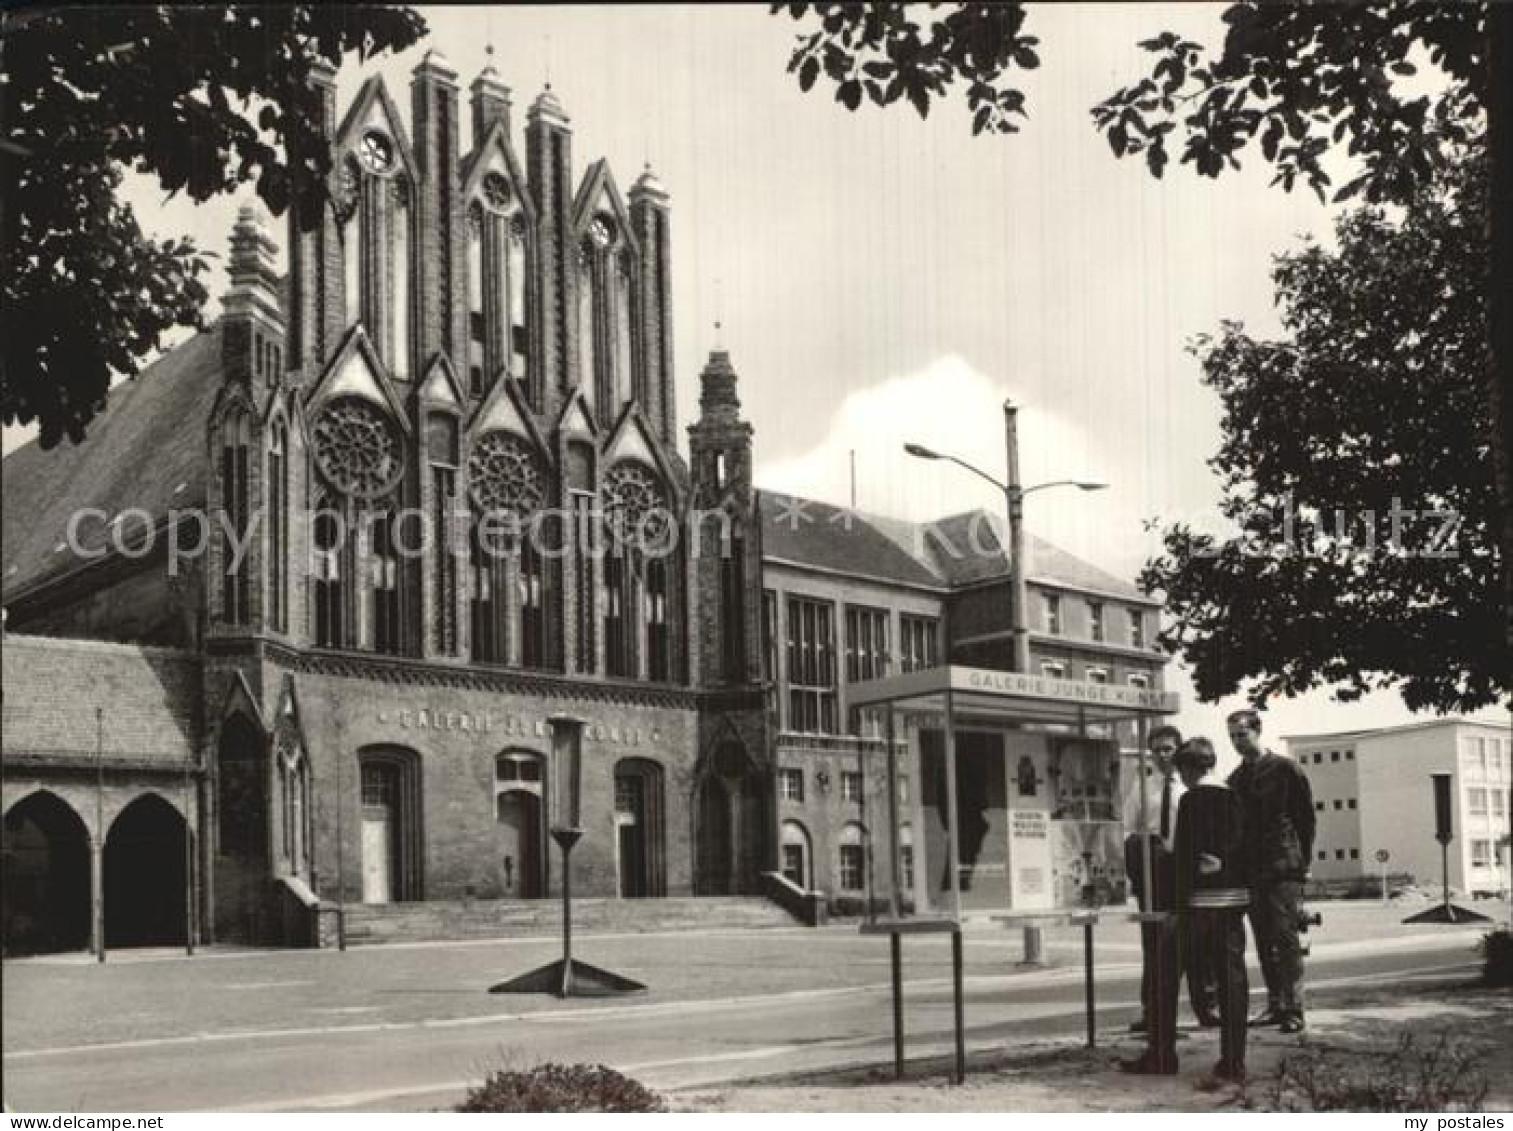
x=561 y=1087
x=1441 y=1075
x=1496 y=950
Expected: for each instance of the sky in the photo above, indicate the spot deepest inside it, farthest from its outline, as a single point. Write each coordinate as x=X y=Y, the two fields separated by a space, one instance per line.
x=878 y=278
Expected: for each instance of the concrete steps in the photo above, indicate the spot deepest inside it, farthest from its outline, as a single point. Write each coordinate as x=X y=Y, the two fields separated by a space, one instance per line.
x=369 y=923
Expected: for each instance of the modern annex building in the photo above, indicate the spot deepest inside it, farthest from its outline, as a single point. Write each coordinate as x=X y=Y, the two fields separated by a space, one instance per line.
x=285 y=634
x=1373 y=792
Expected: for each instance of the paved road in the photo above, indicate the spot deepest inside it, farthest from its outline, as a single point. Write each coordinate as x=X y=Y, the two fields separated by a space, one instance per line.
x=398 y=1028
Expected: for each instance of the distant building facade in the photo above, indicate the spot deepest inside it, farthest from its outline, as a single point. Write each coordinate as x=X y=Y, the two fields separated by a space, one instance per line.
x=1373 y=793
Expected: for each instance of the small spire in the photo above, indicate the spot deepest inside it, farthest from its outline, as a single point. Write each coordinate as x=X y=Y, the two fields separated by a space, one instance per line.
x=718 y=344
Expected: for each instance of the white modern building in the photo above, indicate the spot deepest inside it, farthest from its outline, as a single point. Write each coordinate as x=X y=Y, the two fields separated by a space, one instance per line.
x=1372 y=791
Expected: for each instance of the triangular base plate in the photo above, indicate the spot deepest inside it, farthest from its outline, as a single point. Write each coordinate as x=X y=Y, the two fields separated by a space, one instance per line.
x=1447 y=913
x=569 y=979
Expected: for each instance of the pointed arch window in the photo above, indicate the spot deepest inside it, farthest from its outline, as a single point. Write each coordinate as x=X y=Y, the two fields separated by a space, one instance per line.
x=384 y=599
x=278 y=526
x=441 y=450
x=635 y=576
x=515 y=259
x=331 y=553
x=236 y=436
x=507 y=483
x=293 y=806
x=477 y=327
x=374 y=214
x=398 y=321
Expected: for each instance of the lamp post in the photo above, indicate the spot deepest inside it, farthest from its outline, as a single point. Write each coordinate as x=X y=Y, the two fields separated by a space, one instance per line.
x=568 y=976
x=1013 y=494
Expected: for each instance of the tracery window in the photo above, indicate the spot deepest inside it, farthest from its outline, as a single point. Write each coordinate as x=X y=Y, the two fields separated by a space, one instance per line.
x=373 y=210
x=606 y=273
x=505 y=476
x=507 y=483
x=441 y=451
x=635 y=571
x=235 y=569
x=357 y=449
x=278 y=527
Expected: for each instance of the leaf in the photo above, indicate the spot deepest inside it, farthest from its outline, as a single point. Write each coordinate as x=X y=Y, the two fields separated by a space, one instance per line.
x=849 y=94
x=920 y=98
x=809 y=71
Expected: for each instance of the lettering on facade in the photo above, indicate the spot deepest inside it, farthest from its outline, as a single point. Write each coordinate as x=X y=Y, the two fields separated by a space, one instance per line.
x=511 y=726
x=1068 y=690
x=1029 y=824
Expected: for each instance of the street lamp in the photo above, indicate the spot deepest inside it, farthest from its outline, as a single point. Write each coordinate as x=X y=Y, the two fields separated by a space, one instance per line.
x=1013 y=493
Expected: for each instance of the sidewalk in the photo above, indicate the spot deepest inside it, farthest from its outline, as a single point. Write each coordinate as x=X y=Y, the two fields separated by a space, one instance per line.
x=1359 y=1029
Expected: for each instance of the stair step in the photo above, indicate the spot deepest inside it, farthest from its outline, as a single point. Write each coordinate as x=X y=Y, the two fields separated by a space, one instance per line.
x=443 y=919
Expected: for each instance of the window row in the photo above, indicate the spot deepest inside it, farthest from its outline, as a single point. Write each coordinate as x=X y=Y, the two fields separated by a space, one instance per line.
x=813 y=679
x=1098 y=623
x=1340 y=854
x=1057 y=669
x=1334 y=756
x=790 y=782
x=1348 y=803
x=851 y=858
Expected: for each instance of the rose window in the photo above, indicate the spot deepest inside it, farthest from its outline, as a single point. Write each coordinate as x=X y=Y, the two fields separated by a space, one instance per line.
x=496 y=190
x=504 y=476
x=376 y=152
x=356 y=448
x=600 y=234
x=633 y=504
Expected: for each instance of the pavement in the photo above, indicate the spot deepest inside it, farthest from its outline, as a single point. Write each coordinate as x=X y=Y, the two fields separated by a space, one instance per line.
x=410 y=1027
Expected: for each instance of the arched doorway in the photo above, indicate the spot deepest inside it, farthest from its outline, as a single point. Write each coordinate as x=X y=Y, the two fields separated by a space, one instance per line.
x=46 y=876
x=639 y=823
x=389 y=833
x=731 y=836
x=242 y=863
x=797 y=856
x=145 y=875
x=519 y=810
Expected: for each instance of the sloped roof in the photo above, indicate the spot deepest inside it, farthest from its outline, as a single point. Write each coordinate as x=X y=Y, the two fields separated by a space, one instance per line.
x=818 y=534
x=52 y=686
x=147 y=450
x=951 y=552
x=968 y=548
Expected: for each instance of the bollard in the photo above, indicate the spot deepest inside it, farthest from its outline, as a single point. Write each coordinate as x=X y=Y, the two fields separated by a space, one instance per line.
x=1034 y=949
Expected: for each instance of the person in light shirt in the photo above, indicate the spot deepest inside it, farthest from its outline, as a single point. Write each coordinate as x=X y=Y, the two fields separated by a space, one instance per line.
x=1160 y=954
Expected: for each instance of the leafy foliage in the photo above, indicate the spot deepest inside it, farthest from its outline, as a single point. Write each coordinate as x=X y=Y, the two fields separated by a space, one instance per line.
x=562 y=1087
x=204 y=100
x=884 y=52
x=1356 y=466
x=1305 y=80
x=1440 y=1074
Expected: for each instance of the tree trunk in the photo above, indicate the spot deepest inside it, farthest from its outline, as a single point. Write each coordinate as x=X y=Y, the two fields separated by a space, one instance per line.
x=1499 y=105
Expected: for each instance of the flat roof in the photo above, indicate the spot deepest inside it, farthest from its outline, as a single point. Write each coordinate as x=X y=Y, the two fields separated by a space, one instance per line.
x=1019 y=696
x=1372 y=732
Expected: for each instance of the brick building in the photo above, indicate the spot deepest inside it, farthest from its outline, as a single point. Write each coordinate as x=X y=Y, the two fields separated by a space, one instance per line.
x=285 y=632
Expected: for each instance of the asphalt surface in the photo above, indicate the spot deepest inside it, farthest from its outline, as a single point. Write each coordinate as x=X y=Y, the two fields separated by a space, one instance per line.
x=404 y=1028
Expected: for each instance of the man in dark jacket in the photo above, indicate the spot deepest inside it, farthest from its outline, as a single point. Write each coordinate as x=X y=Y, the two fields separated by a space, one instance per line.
x=1279 y=827
x=1210 y=868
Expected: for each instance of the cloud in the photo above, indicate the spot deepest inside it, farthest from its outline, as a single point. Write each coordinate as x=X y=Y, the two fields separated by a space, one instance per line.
x=953 y=408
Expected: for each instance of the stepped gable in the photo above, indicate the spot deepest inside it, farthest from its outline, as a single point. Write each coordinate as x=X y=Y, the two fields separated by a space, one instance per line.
x=146 y=450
